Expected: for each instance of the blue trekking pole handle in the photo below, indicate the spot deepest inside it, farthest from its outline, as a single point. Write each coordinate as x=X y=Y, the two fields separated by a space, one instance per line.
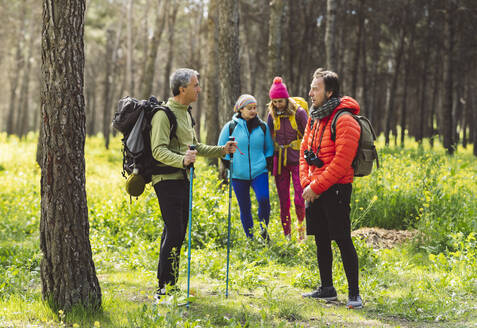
x=191 y=184
x=230 y=214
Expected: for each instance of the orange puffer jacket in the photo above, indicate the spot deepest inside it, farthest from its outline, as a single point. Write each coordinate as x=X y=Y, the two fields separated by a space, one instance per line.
x=337 y=156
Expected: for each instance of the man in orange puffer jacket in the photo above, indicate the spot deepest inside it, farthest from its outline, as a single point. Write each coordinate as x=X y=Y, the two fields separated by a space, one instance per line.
x=326 y=176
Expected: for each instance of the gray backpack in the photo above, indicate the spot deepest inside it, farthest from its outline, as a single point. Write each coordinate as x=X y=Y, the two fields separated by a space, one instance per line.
x=366 y=153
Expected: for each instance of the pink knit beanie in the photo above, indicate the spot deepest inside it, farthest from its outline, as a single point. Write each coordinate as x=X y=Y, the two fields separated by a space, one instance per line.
x=278 y=89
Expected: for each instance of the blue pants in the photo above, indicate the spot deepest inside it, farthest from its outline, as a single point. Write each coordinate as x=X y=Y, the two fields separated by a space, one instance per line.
x=242 y=191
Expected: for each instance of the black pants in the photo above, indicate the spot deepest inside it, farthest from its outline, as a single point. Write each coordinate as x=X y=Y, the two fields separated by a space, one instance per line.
x=173 y=197
x=328 y=219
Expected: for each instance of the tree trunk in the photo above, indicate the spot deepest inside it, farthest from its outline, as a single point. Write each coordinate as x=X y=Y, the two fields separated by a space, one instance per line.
x=364 y=77
x=404 y=99
x=15 y=74
x=465 y=110
x=310 y=11
x=107 y=87
x=150 y=70
x=448 y=118
x=67 y=270
x=294 y=46
x=354 y=74
x=249 y=51
x=376 y=52
x=195 y=61
x=392 y=95
x=115 y=93
x=171 y=22
x=23 y=103
x=212 y=87
x=229 y=63
x=145 y=37
x=261 y=57
x=275 y=40
x=130 y=51
x=407 y=72
x=434 y=102
x=473 y=125
x=468 y=107
x=330 y=33
x=90 y=101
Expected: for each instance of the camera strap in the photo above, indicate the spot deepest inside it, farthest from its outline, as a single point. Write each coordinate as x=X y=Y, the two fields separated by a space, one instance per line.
x=321 y=137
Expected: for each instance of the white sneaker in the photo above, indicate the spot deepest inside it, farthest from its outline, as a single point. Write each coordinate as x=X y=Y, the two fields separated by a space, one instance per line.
x=354 y=302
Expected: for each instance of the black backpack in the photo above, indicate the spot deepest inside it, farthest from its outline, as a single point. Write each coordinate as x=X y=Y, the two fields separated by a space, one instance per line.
x=366 y=153
x=133 y=120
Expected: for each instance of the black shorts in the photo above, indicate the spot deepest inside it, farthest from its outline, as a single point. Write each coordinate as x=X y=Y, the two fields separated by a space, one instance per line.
x=330 y=213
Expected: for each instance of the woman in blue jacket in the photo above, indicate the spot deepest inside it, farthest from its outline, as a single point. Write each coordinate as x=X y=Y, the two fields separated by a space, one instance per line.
x=250 y=165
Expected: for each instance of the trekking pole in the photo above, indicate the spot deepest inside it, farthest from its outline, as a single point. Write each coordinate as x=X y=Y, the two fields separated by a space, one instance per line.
x=230 y=214
x=191 y=184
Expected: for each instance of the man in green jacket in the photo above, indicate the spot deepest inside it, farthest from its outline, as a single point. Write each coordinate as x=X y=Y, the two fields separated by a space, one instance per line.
x=172 y=189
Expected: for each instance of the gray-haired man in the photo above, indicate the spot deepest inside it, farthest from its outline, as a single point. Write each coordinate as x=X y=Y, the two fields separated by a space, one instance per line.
x=172 y=189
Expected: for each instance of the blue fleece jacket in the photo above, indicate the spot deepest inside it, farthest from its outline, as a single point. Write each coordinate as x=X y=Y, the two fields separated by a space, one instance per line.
x=255 y=148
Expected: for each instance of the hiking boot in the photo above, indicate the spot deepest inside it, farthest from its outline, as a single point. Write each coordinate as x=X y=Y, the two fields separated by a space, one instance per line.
x=324 y=293
x=264 y=235
x=354 y=302
x=301 y=231
x=159 y=293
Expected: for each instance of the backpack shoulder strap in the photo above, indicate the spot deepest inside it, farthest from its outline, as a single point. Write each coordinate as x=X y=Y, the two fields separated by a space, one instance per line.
x=263 y=125
x=172 y=118
x=232 y=125
x=189 y=109
x=335 y=119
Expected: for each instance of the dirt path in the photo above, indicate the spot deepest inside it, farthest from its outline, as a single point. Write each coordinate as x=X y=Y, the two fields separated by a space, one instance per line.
x=382 y=238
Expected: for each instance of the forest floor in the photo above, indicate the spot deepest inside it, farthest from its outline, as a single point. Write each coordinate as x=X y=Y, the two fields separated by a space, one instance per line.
x=406 y=279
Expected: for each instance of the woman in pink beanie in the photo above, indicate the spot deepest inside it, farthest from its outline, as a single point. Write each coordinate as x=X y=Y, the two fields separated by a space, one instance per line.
x=287 y=122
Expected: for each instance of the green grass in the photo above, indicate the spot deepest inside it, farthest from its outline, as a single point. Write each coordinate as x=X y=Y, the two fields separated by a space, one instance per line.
x=430 y=281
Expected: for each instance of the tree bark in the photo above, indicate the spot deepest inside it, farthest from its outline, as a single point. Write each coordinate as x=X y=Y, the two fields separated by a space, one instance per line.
x=67 y=270
x=275 y=42
x=195 y=61
x=364 y=76
x=212 y=87
x=375 y=54
x=448 y=117
x=354 y=74
x=15 y=74
x=390 y=107
x=404 y=98
x=409 y=59
x=130 y=50
x=473 y=125
x=435 y=100
x=229 y=63
x=23 y=103
x=150 y=70
x=107 y=87
x=330 y=33
x=90 y=101
x=116 y=92
x=248 y=50
x=262 y=56
x=171 y=22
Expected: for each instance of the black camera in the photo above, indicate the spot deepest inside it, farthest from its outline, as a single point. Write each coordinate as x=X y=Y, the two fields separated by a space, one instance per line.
x=312 y=159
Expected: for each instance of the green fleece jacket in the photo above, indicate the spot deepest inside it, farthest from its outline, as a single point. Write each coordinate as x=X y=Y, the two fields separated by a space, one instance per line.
x=171 y=151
